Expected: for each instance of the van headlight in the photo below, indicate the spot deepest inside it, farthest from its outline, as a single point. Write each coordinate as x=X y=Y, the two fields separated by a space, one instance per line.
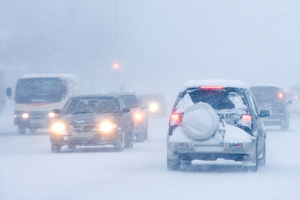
x=58 y=127
x=51 y=114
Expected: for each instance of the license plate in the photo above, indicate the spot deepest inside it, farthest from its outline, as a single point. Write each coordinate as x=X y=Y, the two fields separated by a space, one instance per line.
x=82 y=134
x=37 y=121
x=235 y=145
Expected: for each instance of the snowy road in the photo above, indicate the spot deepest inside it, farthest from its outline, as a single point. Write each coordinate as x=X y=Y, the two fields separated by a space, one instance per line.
x=30 y=171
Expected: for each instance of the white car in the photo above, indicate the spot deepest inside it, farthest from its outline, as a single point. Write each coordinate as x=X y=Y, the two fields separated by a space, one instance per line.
x=214 y=119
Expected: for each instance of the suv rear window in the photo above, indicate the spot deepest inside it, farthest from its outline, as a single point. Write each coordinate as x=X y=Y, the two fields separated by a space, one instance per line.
x=267 y=95
x=218 y=99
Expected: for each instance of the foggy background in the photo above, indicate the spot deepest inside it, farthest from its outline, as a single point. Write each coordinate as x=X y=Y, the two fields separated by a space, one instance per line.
x=159 y=44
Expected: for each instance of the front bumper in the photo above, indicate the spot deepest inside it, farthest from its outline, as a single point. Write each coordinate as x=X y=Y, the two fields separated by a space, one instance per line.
x=94 y=139
x=35 y=119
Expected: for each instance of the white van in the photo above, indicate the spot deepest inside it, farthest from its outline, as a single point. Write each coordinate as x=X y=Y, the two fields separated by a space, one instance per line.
x=37 y=95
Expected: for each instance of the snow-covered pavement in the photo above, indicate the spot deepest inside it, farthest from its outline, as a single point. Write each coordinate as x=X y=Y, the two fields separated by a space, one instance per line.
x=30 y=171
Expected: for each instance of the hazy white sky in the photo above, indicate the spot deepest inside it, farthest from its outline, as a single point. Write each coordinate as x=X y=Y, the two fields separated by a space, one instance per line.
x=159 y=43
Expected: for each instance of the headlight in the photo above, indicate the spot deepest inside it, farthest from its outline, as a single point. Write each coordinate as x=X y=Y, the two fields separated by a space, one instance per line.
x=25 y=115
x=58 y=127
x=107 y=126
x=51 y=114
x=153 y=107
x=138 y=116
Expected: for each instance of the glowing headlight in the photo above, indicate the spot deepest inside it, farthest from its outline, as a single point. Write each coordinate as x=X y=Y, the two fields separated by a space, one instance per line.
x=51 y=114
x=107 y=126
x=58 y=127
x=25 y=115
x=153 y=107
x=138 y=116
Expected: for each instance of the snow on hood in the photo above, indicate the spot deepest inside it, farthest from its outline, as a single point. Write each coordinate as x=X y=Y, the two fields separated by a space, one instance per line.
x=234 y=134
x=216 y=82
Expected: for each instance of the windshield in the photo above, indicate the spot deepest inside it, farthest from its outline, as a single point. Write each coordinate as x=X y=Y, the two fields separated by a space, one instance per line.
x=39 y=90
x=91 y=105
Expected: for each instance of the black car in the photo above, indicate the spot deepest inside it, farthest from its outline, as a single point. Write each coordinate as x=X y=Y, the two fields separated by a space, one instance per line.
x=273 y=99
x=138 y=113
x=89 y=120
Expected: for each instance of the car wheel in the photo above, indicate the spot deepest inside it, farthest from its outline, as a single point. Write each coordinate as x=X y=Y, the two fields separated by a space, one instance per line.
x=72 y=146
x=32 y=130
x=21 y=129
x=285 y=126
x=173 y=164
x=55 y=148
x=146 y=134
x=139 y=137
x=128 y=140
x=254 y=168
x=119 y=144
x=262 y=161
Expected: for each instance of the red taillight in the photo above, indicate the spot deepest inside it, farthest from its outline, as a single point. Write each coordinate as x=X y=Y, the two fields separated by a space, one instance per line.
x=280 y=95
x=175 y=118
x=296 y=97
x=211 y=87
x=246 y=118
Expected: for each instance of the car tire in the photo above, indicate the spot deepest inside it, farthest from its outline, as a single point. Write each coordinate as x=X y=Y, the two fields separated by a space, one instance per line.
x=146 y=133
x=139 y=137
x=119 y=144
x=32 y=130
x=72 y=146
x=21 y=130
x=173 y=164
x=128 y=140
x=285 y=126
x=254 y=168
x=55 y=148
x=262 y=161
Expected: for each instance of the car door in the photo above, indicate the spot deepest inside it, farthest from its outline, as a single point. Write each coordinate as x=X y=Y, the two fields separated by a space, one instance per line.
x=126 y=118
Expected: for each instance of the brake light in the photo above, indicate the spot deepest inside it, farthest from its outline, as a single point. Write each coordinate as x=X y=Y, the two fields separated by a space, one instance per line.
x=280 y=95
x=175 y=118
x=211 y=87
x=246 y=118
x=296 y=97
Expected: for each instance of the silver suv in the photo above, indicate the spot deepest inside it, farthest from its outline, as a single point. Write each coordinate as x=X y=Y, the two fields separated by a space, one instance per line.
x=214 y=119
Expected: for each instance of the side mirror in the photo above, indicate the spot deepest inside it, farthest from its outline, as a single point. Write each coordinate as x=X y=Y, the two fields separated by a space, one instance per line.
x=264 y=113
x=126 y=110
x=56 y=111
x=8 y=92
x=290 y=102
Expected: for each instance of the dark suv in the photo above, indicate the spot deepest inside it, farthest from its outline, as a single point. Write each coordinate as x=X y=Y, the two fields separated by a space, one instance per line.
x=273 y=99
x=89 y=120
x=216 y=119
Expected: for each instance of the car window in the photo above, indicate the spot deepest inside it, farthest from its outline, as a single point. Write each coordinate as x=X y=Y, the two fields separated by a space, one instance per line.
x=130 y=101
x=222 y=99
x=91 y=105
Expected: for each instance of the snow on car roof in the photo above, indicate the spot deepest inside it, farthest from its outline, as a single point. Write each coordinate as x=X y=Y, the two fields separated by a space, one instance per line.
x=49 y=75
x=216 y=82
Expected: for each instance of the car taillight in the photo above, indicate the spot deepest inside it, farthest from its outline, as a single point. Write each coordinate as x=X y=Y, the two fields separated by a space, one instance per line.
x=211 y=87
x=280 y=95
x=296 y=97
x=175 y=119
x=246 y=118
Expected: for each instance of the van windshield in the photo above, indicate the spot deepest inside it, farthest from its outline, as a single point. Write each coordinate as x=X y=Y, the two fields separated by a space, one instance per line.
x=39 y=90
